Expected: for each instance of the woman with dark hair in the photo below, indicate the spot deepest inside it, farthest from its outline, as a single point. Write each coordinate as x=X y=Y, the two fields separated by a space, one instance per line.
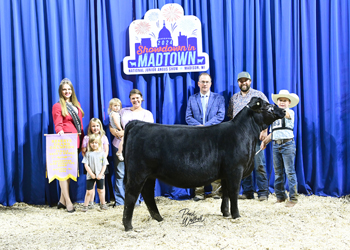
x=67 y=116
x=136 y=112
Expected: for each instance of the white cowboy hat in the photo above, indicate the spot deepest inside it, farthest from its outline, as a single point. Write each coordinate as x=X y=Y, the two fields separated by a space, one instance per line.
x=294 y=99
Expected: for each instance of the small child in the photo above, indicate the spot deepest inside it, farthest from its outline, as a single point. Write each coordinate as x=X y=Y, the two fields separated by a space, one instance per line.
x=114 y=118
x=95 y=128
x=284 y=148
x=95 y=163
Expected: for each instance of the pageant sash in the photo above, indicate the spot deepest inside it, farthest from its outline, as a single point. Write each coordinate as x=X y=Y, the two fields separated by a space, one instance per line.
x=75 y=117
x=61 y=157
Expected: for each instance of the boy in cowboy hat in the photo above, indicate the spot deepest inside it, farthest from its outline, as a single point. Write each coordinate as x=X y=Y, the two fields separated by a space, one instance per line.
x=284 y=147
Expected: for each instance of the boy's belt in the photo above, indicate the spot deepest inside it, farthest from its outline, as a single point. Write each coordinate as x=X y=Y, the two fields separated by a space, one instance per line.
x=281 y=141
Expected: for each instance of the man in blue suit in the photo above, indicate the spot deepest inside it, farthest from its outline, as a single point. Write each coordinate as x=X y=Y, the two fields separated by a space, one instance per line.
x=204 y=109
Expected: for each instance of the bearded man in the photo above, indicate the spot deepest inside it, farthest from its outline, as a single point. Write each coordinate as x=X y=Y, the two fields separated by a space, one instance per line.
x=237 y=102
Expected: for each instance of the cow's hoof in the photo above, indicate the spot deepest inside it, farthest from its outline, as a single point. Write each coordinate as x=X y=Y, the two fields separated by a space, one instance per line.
x=236 y=216
x=128 y=229
x=226 y=214
x=157 y=217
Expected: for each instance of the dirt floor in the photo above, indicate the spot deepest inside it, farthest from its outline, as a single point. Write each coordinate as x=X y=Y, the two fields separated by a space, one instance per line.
x=313 y=223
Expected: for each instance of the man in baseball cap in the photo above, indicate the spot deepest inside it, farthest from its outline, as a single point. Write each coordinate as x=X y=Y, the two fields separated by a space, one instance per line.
x=237 y=102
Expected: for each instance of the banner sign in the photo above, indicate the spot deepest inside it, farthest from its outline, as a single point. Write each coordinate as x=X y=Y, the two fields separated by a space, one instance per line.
x=61 y=157
x=165 y=41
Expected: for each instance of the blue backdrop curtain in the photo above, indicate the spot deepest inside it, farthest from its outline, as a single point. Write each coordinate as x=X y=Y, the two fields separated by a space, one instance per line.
x=302 y=46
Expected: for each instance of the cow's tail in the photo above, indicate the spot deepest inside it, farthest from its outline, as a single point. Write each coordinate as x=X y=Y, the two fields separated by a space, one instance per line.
x=128 y=127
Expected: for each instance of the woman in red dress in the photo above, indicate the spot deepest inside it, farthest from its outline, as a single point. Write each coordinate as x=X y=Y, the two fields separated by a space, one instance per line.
x=67 y=117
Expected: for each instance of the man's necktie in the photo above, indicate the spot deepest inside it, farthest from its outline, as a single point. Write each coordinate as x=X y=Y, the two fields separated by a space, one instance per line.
x=204 y=106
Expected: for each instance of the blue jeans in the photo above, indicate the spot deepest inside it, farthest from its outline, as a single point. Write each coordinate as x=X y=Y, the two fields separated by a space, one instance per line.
x=284 y=158
x=261 y=177
x=119 y=188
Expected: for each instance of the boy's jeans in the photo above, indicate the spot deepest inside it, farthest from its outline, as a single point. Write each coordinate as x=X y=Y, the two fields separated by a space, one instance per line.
x=283 y=159
x=261 y=177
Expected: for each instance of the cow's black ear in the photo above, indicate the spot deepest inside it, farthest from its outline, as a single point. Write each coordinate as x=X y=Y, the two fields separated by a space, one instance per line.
x=256 y=106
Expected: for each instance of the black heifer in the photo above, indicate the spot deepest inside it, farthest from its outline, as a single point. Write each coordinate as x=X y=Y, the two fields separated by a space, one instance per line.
x=187 y=157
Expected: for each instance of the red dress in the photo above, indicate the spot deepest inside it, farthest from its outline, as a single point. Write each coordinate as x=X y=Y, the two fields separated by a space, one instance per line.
x=66 y=123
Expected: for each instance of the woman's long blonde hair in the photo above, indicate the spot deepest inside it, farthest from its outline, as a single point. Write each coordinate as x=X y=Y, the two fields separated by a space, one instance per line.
x=73 y=98
x=102 y=132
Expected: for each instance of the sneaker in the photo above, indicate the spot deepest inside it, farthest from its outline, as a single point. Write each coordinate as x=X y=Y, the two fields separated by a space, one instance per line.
x=103 y=206
x=198 y=197
x=217 y=197
x=245 y=197
x=263 y=198
x=85 y=209
x=91 y=205
x=120 y=156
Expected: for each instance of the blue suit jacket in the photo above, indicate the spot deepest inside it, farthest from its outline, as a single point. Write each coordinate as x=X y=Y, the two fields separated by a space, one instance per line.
x=215 y=111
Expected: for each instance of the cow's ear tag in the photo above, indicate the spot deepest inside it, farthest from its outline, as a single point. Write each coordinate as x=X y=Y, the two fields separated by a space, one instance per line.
x=258 y=103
